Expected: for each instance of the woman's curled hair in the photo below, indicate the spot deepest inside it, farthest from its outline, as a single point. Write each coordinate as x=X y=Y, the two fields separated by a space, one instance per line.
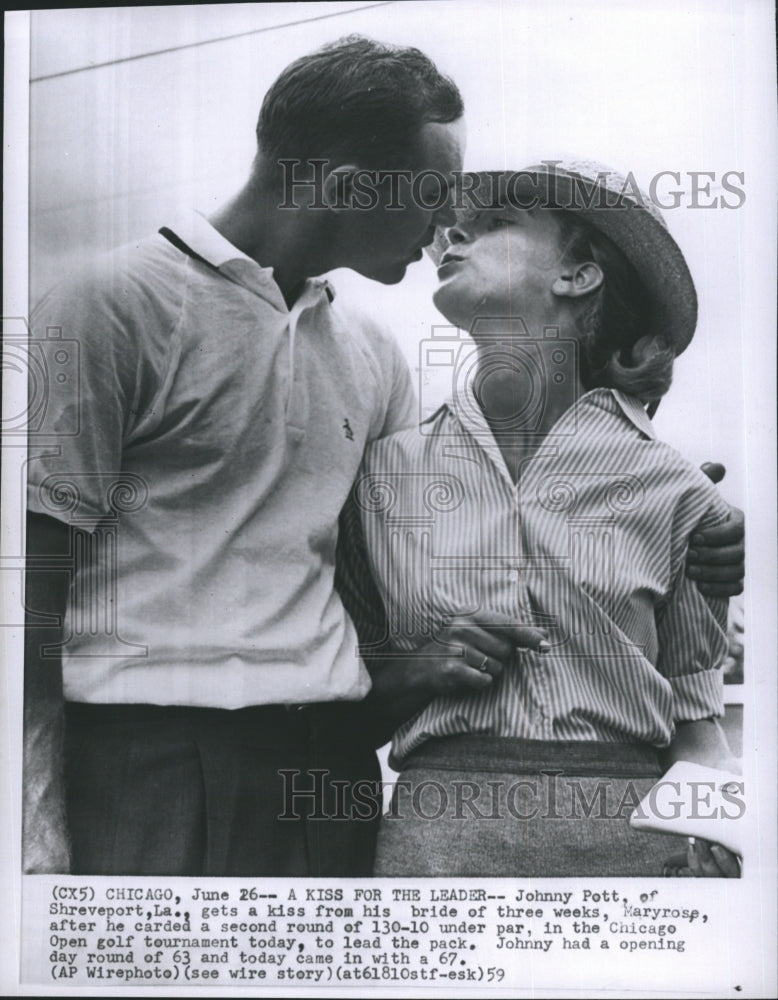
x=618 y=348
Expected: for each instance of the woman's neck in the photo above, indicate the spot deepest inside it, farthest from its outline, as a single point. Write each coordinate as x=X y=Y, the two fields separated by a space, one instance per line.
x=523 y=390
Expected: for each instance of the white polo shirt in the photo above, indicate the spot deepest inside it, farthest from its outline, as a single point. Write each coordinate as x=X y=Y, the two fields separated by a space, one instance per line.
x=208 y=444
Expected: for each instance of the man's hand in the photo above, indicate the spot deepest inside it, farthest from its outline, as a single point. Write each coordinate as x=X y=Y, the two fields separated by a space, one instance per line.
x=45 y=842
x=45 y=835
x=466 y=655
x=716 y=559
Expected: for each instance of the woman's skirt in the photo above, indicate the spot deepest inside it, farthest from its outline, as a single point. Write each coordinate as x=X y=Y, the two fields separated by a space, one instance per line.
x=493 y=806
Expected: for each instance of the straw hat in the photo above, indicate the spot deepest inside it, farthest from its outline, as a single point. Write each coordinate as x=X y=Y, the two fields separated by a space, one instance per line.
x=612 y=203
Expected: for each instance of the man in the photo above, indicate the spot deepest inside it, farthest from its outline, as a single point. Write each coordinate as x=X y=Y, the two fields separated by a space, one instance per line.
x=185 y=533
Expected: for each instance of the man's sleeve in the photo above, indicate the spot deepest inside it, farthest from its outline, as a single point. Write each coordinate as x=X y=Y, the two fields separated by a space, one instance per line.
x=355 y=584
x=402 y=411
x=84 y=372
x=692 y=634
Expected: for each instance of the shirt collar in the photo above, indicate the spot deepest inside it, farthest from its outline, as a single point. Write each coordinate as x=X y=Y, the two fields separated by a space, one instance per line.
x=467 y=411
x=199 y=235
x=633 y=410
x=465 y=408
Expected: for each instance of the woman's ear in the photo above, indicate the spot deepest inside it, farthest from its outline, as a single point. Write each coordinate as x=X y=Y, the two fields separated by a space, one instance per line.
x=578 y=279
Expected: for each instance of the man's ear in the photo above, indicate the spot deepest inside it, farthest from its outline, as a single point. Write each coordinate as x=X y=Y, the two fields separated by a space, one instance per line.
x=338 y=186
x=578 y=279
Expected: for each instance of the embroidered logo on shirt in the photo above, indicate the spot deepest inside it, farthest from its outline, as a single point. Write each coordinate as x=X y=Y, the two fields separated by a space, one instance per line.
x=347 y=430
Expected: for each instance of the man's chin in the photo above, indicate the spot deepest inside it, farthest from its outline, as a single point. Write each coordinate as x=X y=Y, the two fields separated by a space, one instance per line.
x=385 y=274
x=392 y=279
x=391 y=275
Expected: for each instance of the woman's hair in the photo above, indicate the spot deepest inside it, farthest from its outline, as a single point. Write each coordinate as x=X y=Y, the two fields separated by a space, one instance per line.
x=617 y=347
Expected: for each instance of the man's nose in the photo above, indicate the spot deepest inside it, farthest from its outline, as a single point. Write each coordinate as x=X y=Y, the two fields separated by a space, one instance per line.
x=445 y=215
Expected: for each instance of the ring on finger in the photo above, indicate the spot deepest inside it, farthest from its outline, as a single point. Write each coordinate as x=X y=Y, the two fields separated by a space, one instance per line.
x=482 y=664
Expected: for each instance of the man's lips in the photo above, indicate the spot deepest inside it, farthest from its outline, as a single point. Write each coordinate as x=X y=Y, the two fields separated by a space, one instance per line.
x=419 y=252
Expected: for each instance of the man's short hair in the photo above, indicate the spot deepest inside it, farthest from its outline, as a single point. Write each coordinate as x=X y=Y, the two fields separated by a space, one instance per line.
x=355 y=100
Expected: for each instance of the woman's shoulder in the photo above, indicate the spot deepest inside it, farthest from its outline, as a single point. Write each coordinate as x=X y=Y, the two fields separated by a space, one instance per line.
x=630 y=445
x=684 y=485
x=412 y=449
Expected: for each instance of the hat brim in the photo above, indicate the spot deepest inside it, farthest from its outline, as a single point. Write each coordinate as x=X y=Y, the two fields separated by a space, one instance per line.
x=630 y=224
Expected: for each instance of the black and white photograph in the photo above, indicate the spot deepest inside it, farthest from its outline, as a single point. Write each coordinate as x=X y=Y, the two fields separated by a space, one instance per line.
x=389 y=499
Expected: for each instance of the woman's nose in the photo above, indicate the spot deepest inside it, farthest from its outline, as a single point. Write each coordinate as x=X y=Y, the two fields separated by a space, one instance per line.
x=455 y=234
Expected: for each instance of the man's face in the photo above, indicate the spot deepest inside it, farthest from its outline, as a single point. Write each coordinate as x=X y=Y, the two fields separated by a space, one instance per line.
x=383 y=241
x=499 y=263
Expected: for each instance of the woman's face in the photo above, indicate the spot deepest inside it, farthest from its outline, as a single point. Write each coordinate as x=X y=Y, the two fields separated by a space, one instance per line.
x=500 y=263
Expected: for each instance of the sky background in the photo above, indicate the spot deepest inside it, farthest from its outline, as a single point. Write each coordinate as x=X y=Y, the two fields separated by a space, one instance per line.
x=138 y=112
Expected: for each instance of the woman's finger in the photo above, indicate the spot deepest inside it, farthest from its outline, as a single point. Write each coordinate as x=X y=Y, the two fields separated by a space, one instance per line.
x=504 y=628
x=482 y=662
x=704 y=863
x=527 y=637
x=452 y=675
x=693 y=862
x=487 y=643
x=726 y=860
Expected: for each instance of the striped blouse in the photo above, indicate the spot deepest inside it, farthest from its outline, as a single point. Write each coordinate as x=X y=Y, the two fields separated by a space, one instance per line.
x=590 y=544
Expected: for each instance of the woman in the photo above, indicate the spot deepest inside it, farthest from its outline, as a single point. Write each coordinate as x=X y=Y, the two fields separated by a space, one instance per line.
x=540 y=497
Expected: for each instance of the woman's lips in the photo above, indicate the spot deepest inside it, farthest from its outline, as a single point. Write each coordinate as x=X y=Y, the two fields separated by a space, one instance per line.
x=447 y=261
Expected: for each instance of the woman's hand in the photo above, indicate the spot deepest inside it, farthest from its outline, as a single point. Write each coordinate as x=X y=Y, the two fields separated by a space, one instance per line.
x=706 y=860
x=703 y=741
x=471 y=653
x=465 y=655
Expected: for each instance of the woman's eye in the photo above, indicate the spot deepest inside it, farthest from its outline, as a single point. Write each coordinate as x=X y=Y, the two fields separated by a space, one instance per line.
x=500 y=223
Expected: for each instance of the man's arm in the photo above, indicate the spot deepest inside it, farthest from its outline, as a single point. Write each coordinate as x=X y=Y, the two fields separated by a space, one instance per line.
x=45 y=837
x=716 y=559
x=400 y=685
x=104 y=315
x=464 y=655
